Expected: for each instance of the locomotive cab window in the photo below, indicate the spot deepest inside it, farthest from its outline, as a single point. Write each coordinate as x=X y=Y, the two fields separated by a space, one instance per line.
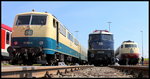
x=130 y=45
x=121 y=46
x=94 y=37
x=7 y=38
x=23 y=20
x=38 y=20
x=107 y=37
x=31 y=20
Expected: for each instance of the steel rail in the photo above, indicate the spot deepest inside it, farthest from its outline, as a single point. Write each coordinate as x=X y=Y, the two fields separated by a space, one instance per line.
x=38 y=71
x=136 y=71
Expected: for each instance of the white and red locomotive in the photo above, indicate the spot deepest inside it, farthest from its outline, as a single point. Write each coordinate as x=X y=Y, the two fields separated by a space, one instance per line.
x=5 y=41
x=128 y=53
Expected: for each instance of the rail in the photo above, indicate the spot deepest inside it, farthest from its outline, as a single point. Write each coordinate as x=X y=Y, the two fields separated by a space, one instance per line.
x=136 y=71
x=37 y=71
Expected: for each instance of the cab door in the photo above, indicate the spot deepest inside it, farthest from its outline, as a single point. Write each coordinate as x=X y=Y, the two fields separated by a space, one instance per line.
x=57 y=34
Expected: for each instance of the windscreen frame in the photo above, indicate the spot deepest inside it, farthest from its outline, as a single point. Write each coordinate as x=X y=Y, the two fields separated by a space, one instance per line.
x=31 y=19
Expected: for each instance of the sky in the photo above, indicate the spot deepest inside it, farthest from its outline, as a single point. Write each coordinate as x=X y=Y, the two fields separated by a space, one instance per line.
x=128 y=18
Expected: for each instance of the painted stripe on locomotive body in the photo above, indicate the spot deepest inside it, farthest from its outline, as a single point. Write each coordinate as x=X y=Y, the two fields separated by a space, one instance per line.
x=49 y=45
x=129 y=55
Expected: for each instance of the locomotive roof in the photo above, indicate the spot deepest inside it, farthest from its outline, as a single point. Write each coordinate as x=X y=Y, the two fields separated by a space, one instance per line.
x=129 y=42
x=101 y=32
x=6 y=27
x=32 y=13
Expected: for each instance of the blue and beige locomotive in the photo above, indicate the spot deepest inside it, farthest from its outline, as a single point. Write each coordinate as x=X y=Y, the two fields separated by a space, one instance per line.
x=40 y=36
x=101 y=48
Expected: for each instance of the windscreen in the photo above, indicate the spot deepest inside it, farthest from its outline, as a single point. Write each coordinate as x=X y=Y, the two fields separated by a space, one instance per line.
x=31 y=20
x=98 y=37
x=107 y=37
x=130 y=45
x=94 y=37
x=101 y=42
x=23 y=20
x=38 y=20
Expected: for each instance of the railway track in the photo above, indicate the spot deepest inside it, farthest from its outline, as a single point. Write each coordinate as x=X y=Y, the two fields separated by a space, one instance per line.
x=85 y=71
x=110 y=72
x=135 y=70
x=37 y=71
x=96 y=72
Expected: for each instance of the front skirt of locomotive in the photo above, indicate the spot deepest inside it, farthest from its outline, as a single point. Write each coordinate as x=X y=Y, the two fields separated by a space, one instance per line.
x=101 y=56
x=129 y=59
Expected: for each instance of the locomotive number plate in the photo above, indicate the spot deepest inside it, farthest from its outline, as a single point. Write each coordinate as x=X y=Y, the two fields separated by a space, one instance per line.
x=28 y=32
x=100 y=52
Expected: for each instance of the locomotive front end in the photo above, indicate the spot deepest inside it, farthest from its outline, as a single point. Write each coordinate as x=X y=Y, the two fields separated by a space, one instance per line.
x=128 y=53
x=101 y=48
x=28 y=37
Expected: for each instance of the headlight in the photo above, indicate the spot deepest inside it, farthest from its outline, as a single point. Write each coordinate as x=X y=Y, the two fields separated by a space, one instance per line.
x=92 y=55
x=10 y=49
x=15 y=43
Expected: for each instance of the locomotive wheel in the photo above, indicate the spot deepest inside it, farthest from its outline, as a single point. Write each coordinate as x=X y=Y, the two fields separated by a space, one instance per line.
x=105 y=64
x=50 y=59
x=68 y=60
x=29 y=61
x=97 y=64
x=133 y=61
x=13 y=62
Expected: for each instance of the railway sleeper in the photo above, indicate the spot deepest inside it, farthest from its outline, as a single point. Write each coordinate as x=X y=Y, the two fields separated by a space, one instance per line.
x=47 y=75
x=141 y=74
x=136 y=74
x=66 y=71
